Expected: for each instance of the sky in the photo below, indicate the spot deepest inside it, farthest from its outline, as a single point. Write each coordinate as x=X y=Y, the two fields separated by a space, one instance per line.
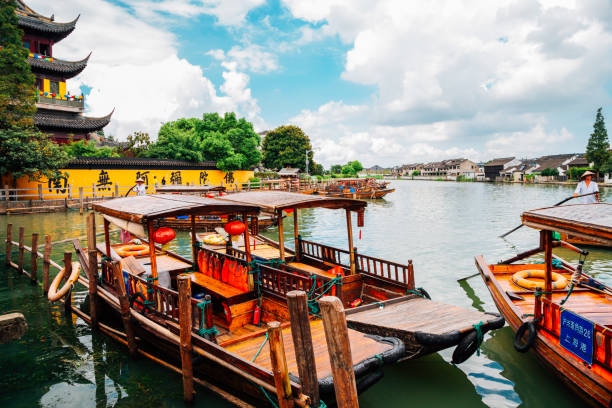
x=386 y=82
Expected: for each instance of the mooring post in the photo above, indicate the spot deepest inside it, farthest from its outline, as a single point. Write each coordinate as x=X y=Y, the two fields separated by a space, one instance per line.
x=116 y=190
x=92 y=277
x=9 y=243
x=34 y=259
x=297 y=300
x=93 y=189
x=279 y=365
x=21 y=250
x=91 y=232
x=70 y=191
x=46 y=263
x=124 y=304
x=81 y=199
x=67 y=273
x=208 y=318
x=339 y=348
x=411 y=283
x=184 y=289
x=40 y=192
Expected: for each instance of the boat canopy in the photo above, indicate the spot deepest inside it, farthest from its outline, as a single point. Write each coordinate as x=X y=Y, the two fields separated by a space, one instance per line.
x=272 y=201
x=188 y=189
x=591 y=221
x=145 y=208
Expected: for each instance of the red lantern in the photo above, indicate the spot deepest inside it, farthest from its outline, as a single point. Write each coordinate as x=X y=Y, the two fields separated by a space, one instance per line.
x=234 y=228
x=210 y=195
x=222 y=193
x=288 y=210
x=163 y=235
x=360 y=218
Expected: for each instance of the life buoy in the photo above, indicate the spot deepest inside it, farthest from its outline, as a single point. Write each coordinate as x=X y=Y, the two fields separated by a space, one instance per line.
x=55 y=294
x=531 y=329
x=214 y=239
x=132 y=249
x=521 y=278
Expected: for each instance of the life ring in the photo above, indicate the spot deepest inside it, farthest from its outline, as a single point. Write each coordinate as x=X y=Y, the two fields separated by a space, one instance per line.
x=55 y=294
x=530 y=327
x=214 y=239
x=131 y=249
x=521 y=278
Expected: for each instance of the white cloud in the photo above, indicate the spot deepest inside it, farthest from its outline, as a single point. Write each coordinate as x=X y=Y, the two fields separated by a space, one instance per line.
x=466 y=77
x=249 y=58
x=135 y=69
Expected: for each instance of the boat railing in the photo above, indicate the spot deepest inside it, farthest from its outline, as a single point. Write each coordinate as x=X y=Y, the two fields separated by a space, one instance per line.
x=602 y=336
x=278 y=283
x=368 y=265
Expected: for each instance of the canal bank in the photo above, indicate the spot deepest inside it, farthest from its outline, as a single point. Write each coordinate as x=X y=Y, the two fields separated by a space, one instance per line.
x=441 y=226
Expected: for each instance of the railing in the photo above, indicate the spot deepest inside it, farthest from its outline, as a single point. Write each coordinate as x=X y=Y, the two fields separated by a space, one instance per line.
x=602 y=341
x=279 y=283
x=325 y=253
x=57 y=101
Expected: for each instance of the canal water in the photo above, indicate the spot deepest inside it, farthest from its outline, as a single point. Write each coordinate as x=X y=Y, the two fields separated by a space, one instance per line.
x=441 y=226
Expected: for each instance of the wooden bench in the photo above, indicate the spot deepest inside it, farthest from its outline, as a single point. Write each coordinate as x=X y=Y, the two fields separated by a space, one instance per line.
x=219 y=289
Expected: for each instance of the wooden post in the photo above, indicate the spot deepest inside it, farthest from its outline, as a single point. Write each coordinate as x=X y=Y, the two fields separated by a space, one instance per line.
x=91 y=231
x=296 y=234
x=411 y=283
x=152 y=252
x=67 y=273
x=21 y=250
x=548 y=262
x=116 y=190
x=247 y=249
x=34 y=259
x=349 y=226
x=107 y=245
x=537 y=306
x=297 y=300
x=184 y=289
x=9 y=243
x=92 y=277
x=124 y=303
x=339 y=348
x=40 y=192
x=46 y=263
x=81 y=199
x=70 y=191
x=281 y=238
x=93 y=190
x=279 y=365
x=194 y=248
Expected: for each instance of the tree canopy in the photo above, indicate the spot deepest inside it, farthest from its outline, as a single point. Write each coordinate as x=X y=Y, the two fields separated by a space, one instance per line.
x=287 y=146
x=24 y=150
x=349 y=169
x=230 y=142
x=598 y=145
x=84 y=148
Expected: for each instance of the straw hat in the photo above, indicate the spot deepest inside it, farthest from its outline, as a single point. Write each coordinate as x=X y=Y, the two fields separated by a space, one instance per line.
x=587 y=173
x=140 y=179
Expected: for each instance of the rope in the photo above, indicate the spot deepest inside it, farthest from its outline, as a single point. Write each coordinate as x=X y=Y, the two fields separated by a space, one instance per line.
x=569 y=292
x=537 y=293
x=203 y=331
x=418 y=292
x=556 y=263
x=260 y=348
x=260 y=387
x=479 y=336
x=313 y=305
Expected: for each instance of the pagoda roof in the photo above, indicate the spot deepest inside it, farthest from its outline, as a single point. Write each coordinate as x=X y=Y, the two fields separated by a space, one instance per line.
x=49 y=119
x=30 y=20
x=54 y=66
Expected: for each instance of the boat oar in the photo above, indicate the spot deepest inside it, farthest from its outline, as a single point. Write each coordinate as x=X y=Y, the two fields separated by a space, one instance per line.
x=556 y=205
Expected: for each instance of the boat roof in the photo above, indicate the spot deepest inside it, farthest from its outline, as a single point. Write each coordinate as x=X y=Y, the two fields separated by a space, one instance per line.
x=272 y=201
x=187 y=189
x=592 y=221
x=144 y=208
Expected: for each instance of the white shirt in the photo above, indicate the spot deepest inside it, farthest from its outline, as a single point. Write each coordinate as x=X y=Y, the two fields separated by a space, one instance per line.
x=582 y=188
x=140 y=189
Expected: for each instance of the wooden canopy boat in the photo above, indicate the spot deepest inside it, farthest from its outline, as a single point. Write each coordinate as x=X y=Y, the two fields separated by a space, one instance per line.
x=567 y=315
x=229 y=348
x=193 y=190
x=367 y=193
x=359 y=188
x=208 y=223
x=391 y=303
x=572 y=239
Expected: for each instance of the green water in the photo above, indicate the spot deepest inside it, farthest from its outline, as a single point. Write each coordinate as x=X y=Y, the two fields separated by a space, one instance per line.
x=439 y=225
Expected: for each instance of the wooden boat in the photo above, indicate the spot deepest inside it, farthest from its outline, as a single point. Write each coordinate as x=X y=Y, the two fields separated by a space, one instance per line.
x=573 y=239
x=201 y=190
x=228 y=347
x=392 y=305
x=359 y=188
x=568 y=327
x=208 y=224
x=370 y=193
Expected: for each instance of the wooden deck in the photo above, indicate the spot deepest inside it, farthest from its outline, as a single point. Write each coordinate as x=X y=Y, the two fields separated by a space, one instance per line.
x=362 y=348
x=416 y=314
x=312 y=269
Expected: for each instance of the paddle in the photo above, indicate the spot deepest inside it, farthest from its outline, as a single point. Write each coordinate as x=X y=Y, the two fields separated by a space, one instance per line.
x=556 y=205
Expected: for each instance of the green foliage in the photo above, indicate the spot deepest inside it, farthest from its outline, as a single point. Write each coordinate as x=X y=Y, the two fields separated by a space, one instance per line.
x=138 y=143
x=230 y=142
x=356 y=165
x=266 y=175
x=348 y=170
x=416 y=173
x=318 y=170
x=576 y=172
x=84 y=148
x=287 y=146
x=549 y=172
x=598 y=145
x=336 y=169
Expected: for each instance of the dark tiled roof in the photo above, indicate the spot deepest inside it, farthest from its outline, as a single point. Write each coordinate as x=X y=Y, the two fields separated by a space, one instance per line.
x=49 y=119
x=31 y=20
x=138 y=163
x=66 y=69
x=499 y=162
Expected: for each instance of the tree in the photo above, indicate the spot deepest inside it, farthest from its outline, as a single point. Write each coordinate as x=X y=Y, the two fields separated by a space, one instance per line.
x=348 y=170
x=318 y=170
x=287 y=146
x=84 y=148
x=138 y=143
x=336 y=169
x=24 y=150
x=550 y=172
x=598 y=145
x=176 y=140
x=356 y=166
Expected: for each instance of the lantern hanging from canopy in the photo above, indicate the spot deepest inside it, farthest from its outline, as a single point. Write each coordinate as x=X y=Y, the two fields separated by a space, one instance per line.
x=234 y=228
x=163 y=235
x=288 y=210
x=210 y=195
x=361 y=218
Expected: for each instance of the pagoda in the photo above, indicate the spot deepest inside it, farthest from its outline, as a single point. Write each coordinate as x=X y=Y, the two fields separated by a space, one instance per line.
x=58 y=113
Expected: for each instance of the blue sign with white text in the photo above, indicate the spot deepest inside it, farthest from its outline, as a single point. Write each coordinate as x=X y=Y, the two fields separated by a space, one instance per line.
x=577 y=335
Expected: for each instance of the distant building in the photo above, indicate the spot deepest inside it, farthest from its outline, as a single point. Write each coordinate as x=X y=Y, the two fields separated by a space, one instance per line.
x=289 y=172
x=409 y=169
x=376 y=169
x=460 y=167
x=58 y=113
x=493 y=168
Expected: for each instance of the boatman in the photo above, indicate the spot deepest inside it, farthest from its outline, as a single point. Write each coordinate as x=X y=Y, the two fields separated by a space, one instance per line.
x=586 y=186
x=140 y=188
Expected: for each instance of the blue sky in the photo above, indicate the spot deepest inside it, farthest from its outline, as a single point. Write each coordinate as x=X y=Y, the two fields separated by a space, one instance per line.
x=386 y=82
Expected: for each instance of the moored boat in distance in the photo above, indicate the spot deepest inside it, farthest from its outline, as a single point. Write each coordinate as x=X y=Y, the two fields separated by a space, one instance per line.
x=565 y=314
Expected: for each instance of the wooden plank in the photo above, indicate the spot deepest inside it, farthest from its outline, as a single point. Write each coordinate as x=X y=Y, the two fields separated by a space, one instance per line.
x=34 y=259
x=9 y=242
x=46 y=263
x=216 y=286
x=279 y=365
x=21 y=250
x=184 y=289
